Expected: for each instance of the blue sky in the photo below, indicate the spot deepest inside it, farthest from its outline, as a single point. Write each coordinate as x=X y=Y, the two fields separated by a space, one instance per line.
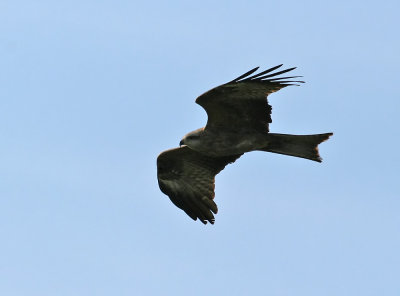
x=92 y=91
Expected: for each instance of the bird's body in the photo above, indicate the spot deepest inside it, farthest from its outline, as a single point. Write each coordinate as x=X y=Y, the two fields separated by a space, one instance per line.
x=238 y=122
x=224 y=142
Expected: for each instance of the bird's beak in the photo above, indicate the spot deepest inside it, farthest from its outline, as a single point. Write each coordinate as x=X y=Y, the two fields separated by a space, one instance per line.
x=180 y=143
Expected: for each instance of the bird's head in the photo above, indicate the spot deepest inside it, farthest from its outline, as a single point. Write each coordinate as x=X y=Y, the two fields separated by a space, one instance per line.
x=192 y=138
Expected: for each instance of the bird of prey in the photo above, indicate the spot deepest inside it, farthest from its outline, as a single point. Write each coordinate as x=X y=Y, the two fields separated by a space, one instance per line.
x=238 y=122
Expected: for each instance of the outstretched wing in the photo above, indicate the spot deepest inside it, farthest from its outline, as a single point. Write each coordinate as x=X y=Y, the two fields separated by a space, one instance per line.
x=188 y=177
x=242 y=102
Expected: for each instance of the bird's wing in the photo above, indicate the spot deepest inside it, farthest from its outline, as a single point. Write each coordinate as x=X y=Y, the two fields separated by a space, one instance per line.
x=188 y=177
x=242 y=102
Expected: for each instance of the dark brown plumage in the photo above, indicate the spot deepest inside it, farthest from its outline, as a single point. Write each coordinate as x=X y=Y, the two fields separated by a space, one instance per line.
x=242 y=102
x=188 y=178
x=238 y=122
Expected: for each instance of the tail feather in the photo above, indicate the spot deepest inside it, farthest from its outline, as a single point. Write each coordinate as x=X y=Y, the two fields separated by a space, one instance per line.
x=304 y=146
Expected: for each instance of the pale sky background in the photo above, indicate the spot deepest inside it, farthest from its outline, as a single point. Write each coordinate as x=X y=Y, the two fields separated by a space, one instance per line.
x=92 y=91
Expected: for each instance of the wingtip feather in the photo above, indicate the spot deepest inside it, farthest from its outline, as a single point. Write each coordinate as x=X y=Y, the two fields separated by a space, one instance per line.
x=245 y=74
x=265 y=72
x=265 y=76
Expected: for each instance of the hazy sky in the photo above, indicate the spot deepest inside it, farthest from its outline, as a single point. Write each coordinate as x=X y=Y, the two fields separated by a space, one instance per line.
x=92 y=91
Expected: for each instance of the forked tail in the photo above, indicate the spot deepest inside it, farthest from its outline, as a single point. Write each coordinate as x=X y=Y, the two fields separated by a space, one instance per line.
x=304 y=146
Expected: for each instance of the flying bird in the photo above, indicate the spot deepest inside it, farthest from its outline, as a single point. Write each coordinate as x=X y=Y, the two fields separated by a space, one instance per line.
x=238 y=122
